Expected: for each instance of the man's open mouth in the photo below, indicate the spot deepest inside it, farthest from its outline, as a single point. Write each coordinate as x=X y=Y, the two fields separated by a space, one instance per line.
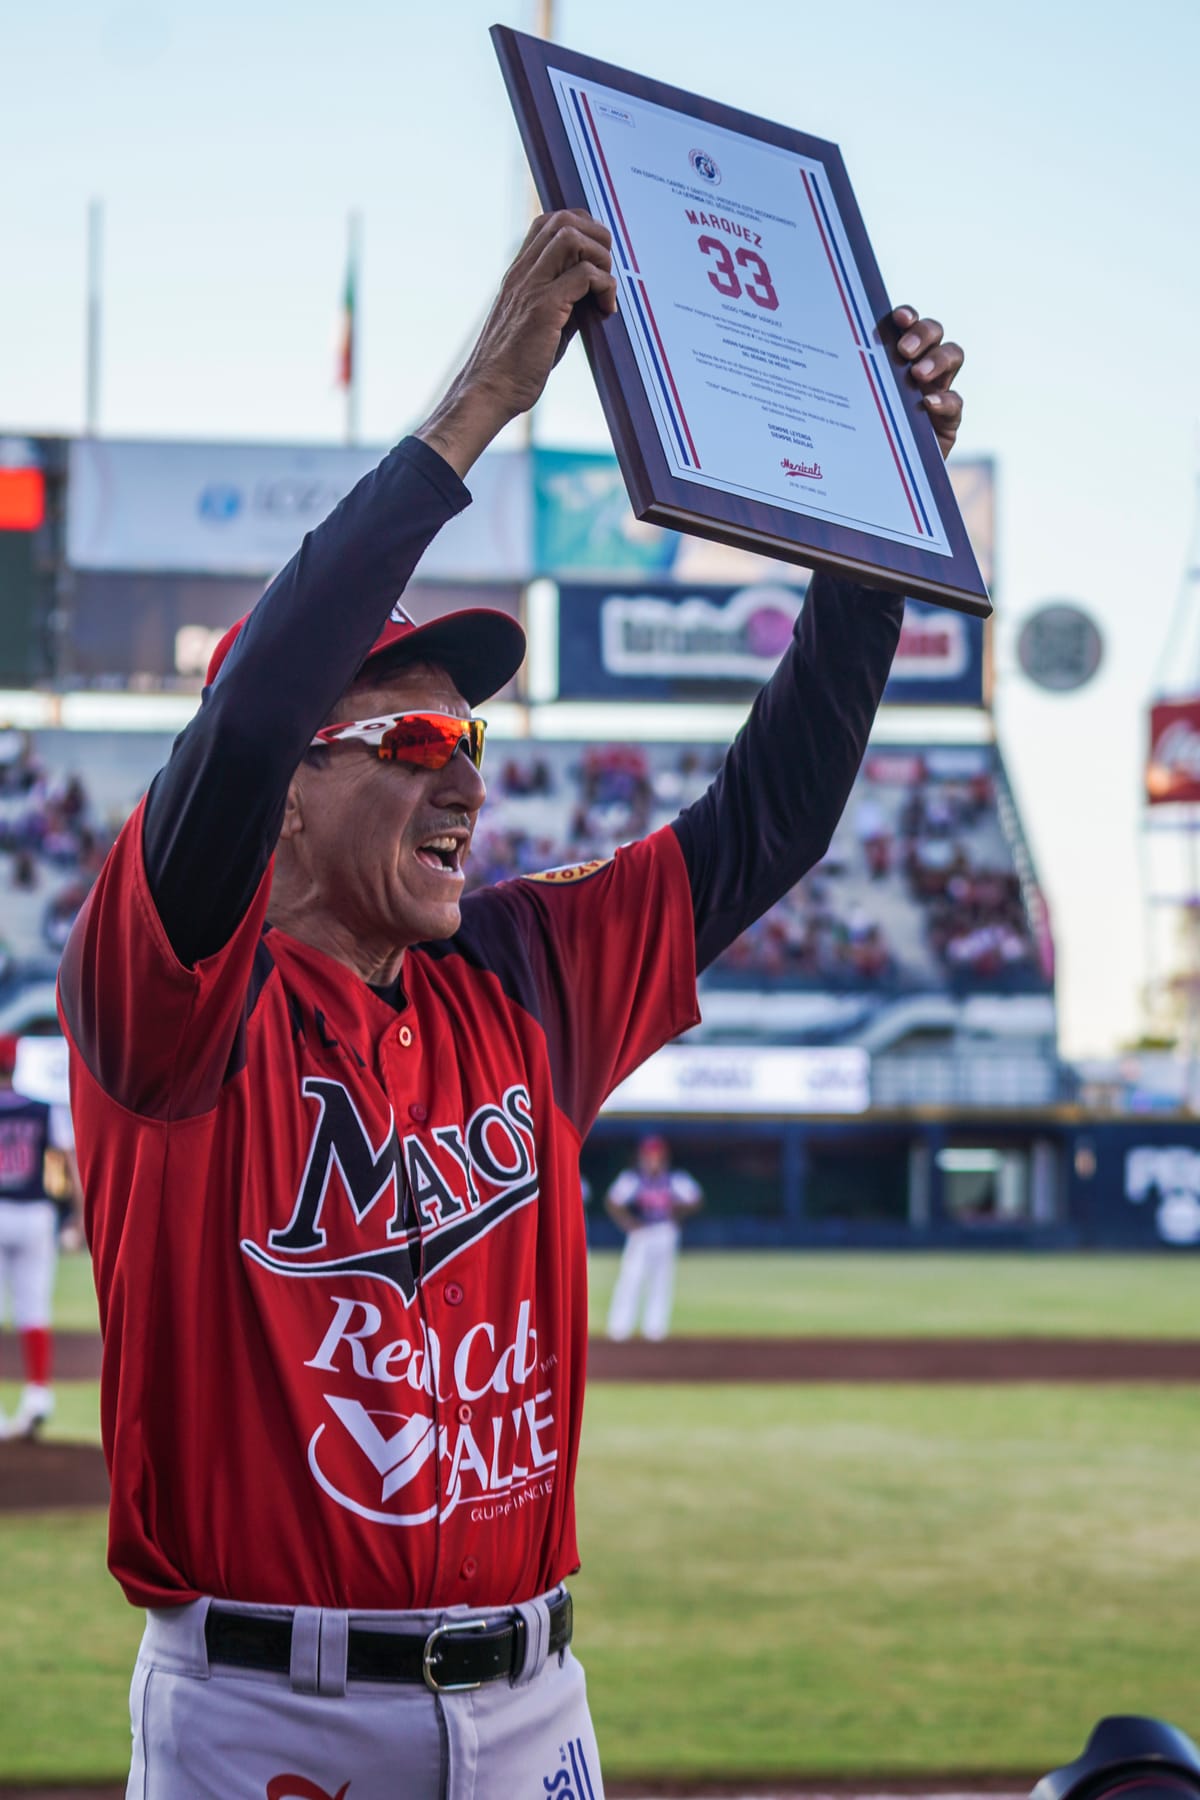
x=443 y=853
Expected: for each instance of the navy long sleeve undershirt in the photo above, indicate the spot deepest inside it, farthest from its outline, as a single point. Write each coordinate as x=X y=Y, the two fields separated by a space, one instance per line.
x=213 y=813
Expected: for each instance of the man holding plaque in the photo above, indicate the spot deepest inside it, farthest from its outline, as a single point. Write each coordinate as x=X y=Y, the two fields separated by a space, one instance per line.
x=329 y=1113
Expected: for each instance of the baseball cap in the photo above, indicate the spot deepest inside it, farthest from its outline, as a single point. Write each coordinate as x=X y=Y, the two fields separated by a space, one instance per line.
x=480 y=648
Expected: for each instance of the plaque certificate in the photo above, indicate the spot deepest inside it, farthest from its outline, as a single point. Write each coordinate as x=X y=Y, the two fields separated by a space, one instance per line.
x=750 y=379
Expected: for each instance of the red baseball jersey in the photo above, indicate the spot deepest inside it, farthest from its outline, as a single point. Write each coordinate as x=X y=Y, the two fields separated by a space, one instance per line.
x=337 y=1231
x=339 y=1246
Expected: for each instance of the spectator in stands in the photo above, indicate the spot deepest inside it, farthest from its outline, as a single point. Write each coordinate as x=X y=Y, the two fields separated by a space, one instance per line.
x=24 y=873
x=874 y=835
x=60 y=913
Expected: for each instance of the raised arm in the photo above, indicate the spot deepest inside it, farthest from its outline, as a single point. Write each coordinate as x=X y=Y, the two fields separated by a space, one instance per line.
x=213 y=814
x=772 y=809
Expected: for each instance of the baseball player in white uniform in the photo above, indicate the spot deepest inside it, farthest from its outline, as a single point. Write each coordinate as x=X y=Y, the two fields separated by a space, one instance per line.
x=648 y=1203
x=28 y=1236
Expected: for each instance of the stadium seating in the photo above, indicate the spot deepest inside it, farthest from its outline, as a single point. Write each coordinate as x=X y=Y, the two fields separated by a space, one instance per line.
x=921 y=890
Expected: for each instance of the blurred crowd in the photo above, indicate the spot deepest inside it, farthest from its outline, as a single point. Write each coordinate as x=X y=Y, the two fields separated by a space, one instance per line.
x=50 y=846
x=598 y=797
x=919 y=884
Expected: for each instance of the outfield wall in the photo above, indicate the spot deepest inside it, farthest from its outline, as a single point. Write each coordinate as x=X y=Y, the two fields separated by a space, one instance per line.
x=1009 y=1181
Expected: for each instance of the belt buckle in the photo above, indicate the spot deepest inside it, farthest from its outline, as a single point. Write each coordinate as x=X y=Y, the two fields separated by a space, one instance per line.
x=456 y=1628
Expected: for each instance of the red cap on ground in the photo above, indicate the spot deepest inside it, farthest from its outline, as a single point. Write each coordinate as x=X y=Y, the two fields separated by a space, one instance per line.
x=480 y=648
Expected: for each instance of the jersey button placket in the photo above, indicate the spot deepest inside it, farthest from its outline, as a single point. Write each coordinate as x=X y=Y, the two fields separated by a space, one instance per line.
x=407 y=1069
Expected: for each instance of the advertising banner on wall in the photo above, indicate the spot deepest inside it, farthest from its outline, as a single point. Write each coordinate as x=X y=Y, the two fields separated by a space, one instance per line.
x=1173 y=766
x=584 y=528
x=1135 y=1183
x=242 y=509
x=652 y=641
x=158 y=631
x=688 y=1078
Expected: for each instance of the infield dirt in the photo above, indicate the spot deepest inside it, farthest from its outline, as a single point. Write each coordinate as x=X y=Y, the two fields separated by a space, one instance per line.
x=38 y=1475
x=813 y=1359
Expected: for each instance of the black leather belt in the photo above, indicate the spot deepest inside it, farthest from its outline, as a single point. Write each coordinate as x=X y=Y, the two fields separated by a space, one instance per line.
x=461 y=1654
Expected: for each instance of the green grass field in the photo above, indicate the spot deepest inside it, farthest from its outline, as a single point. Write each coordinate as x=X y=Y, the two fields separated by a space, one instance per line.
x=828 y=1580
x=786 y=1293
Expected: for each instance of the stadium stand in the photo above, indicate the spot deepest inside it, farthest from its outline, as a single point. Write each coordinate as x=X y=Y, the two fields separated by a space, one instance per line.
x=923 y=890
x=920 y=890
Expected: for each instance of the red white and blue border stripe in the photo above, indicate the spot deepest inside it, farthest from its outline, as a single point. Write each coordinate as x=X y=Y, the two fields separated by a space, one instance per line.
x=638 y=307
x=867 y=351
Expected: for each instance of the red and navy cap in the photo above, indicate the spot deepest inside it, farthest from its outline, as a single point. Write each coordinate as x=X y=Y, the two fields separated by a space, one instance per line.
x=479 y=648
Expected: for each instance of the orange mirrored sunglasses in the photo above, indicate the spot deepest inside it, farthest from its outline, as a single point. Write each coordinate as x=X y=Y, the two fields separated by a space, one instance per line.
x=426 y=740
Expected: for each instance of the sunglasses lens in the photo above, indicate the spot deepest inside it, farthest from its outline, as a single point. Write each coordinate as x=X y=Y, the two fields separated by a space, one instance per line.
x=429 y=740
x=478 y=727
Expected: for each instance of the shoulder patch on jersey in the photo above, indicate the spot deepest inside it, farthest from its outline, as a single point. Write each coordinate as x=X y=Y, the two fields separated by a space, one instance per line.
x=572 y=871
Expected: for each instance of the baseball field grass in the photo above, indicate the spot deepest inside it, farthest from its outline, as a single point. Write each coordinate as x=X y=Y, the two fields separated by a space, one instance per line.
x=784 y=1293
x=826 y=1580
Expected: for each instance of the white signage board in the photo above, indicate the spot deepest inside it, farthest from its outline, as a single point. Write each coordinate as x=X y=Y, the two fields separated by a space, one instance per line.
x=242 y=509
x=689 y=1078
x=41 y=1070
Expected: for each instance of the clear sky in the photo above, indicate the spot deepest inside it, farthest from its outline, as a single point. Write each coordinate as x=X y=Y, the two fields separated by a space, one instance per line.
x=1028 y=172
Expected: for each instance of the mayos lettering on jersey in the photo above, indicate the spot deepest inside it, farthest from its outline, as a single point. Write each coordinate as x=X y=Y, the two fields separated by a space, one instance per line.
x=342 y=1237
x=571 y=871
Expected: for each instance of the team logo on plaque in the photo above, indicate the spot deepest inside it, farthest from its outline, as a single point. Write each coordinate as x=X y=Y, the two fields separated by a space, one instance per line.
x=705 y=167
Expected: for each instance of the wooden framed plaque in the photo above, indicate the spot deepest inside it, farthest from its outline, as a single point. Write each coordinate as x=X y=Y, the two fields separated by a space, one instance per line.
x=750 y=379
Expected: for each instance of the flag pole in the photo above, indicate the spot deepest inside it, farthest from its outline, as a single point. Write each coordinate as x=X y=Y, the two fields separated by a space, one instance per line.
x=95 y=245
x=353 y=253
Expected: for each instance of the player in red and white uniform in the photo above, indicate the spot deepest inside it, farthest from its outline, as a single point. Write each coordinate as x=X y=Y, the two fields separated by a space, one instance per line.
x=649 y=1202
x=29 y=1236
x=329 y=1123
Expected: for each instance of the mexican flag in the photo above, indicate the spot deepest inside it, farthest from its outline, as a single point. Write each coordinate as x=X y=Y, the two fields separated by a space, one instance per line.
x=345 y=362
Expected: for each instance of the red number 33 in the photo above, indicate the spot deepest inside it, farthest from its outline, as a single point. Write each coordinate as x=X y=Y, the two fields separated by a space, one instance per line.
x=762 y=294
x=725 y=277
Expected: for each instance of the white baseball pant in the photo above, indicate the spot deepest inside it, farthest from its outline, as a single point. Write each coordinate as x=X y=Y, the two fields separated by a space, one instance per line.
x=647 y=1268
x=206 y=1731
x=28 y=1253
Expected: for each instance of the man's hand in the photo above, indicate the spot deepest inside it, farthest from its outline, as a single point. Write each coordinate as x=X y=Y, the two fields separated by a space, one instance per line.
x=566 y=257
x=933 y=366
